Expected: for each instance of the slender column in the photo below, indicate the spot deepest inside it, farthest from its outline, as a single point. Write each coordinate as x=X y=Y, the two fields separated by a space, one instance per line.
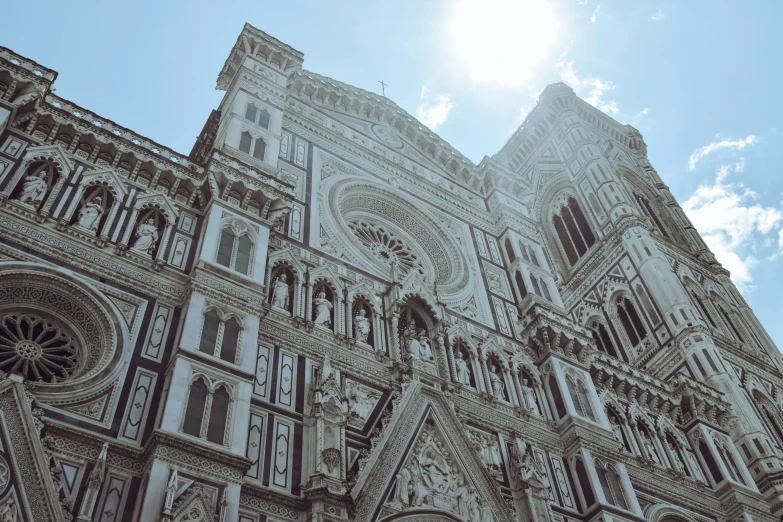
x=338 y=311
x=309 y=303
x=110 y=220
x=671 y=458
x=74 y=201
x=485 y=371
x=662 y=451
x=518 y=388
x=74 y=142
x=94 y=483
x=348 y=320
x=442 y=355
x=637 y=440
x=53 y=133
x=452 y=363
x=202 y=434
x=164 y=242
x=394 y=336
x=44 y=212
x=512 y=392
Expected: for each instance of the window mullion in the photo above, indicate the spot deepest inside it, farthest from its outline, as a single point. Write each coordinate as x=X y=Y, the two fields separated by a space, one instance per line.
x=205 y=418
x=219 y=340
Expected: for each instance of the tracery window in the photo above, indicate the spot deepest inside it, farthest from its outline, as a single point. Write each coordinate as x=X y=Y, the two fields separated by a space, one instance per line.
x=206 y=412
x=528 y=253
x=584 y=481
x=603 y=340
x=611 y=485
x=580 y=397
x=730 y=323
x=629 y=318
x=729 y=463
x=38 y=348
x=520 y=284
x=557 y=398
x=386 y=246
x=220 y=337
x=573 y=230
x=647 y=209
x=540 y=287
x=709 y=461
x=510 y=251
x=262 y=117
x=234 y=253
x=647 y=304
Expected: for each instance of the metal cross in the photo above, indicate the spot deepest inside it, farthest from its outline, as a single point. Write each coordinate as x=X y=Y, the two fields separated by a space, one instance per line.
x=383 y=88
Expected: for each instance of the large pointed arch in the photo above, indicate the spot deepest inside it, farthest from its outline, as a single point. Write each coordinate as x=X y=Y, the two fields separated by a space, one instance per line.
x=421 y=406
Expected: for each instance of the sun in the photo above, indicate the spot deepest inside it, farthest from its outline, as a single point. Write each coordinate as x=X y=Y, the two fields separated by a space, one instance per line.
x=501 y=41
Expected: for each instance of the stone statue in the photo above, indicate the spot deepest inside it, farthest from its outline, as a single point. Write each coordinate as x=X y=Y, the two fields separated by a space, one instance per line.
x=463 y=371
x=34 y=189
x=435 y=470
x=617 y=431
x=323 y=309
x=8 y=511
x=361 y=326
x=412 y=345
x=530 y=397
x=280 y=293
x=461 y=495
x=90 y=214
x=496 y=383
x=146 y=237
x=401 y=488
x=362 y=401
x=650 y=447
x=425 y=352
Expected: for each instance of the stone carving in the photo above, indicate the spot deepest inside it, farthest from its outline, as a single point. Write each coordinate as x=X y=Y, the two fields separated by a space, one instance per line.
x=362 y=400
x=146 y=237
x=489 y=451
x=463 y=370
x=416 y=344
x=9 y=511
x=34 y=189
x=496 y=382
x=280 y=293
x=90 y=214
x=529 y=396
x=39 y=349
x=649 y=446
x=361 y=326
x=5 y=474
x=617 y=431
x=323 y=309
x=431 y=478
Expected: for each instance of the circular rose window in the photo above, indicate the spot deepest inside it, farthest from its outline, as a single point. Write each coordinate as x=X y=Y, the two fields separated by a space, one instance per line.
x=37 y=348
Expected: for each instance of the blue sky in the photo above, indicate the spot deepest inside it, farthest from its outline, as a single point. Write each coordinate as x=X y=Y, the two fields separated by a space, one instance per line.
x=699 y=79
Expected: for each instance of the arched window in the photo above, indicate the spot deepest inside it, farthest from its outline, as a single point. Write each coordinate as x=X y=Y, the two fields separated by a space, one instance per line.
x=209 y=332
x=194 y=412
x=223 y=333
x=520 y=284
x=228 y=346
x=616 y=487
x=647 y=209
x=263 y=118
x=581 y=476
x=729 y=463
x=674 y=446
x=632 y=323
x=580 y=398
x=510 y=251
x=233 y=253
x=251 y=112
x=206 y=413
x=540 y=287
x=709 y=461
x=603 y=340
x=731 y=324
x=259 y=149
x=218 y=413
x=703 y=309
x=554 y=392
x=573 y=230
x=245 y=141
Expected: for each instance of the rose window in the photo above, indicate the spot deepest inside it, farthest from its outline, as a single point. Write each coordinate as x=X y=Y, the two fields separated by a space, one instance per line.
x=386 y=247
x=38 y=348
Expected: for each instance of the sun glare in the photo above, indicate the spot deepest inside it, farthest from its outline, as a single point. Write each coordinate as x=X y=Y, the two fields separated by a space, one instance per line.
x=501 y=41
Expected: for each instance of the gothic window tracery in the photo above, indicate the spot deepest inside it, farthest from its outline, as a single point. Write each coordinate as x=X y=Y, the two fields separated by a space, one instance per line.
x=580 y=397
x=387 y=247
x=207 y=411
x=220 y=336
x=235 y=253
x=40 y=349
x=611 y=485
x=573 y=230
x=604 y=340
x=520 y=281
x=630 y=320
x=556 y=397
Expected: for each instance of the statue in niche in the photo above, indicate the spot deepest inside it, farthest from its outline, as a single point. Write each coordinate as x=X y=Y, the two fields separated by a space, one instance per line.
x=489 y=451
x=650 y=447
x=461 y=494
x=496 y=383
x=34 y=189
x=530 y=396
x=617 y=431
x=362 y=401
x=90 y=214
x=280 y=293
x=361 y=326
x=146 y=237
x=533 y=475
x=463 y=371
x=323 y=310
x=425 y=351
x=411 y=342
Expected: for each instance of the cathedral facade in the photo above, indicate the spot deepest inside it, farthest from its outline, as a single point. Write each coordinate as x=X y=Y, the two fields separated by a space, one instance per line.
x=326 y=313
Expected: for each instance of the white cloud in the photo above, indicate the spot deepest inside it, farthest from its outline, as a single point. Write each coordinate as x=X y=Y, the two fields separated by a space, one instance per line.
x=592 y=18
x=657 y=17
x=433 y=113
x=644 y=112
x=717 y=145
x=733 y=224
x=502 y=41
x=590 y=88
